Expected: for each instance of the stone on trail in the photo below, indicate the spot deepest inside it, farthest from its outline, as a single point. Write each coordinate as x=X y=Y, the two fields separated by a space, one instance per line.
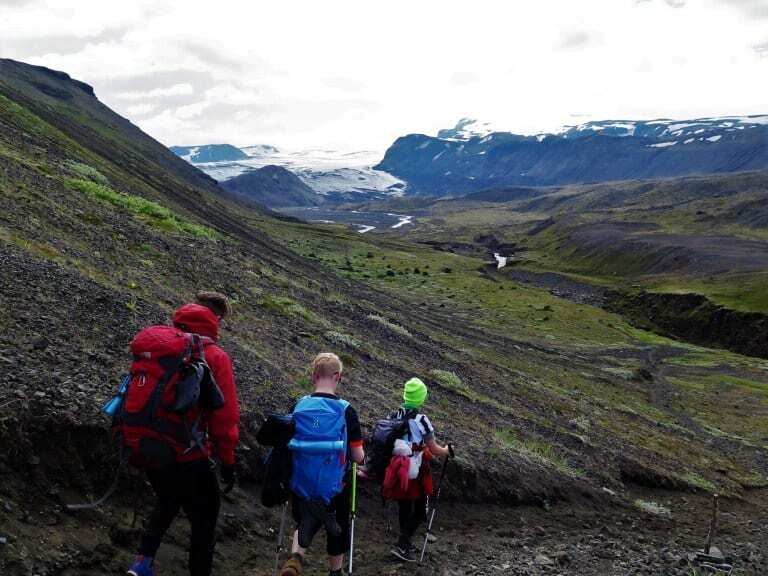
x=715 y=552
x=543 y=560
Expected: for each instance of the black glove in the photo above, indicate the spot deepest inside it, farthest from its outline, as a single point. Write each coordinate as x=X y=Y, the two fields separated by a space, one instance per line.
x=228 y=477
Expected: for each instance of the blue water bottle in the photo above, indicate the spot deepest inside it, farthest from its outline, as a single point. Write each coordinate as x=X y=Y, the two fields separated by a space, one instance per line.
x=113 y=406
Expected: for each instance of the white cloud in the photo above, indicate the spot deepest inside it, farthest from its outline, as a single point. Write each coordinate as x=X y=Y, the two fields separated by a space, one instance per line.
x=359 y=74
x=575 y=39
x=141 y=109
x=752 y=8
x=175 y=90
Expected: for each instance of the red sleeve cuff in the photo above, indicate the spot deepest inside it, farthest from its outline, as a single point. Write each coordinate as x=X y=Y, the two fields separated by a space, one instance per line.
x=356 y=444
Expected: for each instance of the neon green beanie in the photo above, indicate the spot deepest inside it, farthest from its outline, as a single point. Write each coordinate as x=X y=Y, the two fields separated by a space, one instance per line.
x=414 y=393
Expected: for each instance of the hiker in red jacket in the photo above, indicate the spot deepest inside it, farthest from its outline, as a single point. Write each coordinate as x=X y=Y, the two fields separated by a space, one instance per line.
x=191 y=483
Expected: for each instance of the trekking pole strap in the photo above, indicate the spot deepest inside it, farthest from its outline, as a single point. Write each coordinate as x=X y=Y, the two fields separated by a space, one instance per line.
x=110 y=491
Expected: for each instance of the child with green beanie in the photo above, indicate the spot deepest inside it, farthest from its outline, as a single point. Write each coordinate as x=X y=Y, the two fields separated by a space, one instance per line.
x=421 y=438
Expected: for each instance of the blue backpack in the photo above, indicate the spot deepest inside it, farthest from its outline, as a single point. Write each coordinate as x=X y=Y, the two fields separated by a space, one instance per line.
x=319 y=448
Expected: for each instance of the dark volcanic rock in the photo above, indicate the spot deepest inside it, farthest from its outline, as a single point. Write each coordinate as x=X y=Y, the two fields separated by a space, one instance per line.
x=273 y=186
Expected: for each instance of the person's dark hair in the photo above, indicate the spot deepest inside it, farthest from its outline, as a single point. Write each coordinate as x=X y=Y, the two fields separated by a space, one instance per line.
x=216 y=302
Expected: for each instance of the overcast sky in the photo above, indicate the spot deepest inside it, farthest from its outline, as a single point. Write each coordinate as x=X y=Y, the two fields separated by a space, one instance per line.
x=355 y=74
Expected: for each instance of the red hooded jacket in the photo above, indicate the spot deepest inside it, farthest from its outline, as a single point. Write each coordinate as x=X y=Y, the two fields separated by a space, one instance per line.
x=223 y=424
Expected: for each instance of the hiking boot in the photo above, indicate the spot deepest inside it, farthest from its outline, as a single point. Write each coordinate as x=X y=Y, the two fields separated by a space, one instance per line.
x=292 y=566
x=403 y=553
x=142 y=567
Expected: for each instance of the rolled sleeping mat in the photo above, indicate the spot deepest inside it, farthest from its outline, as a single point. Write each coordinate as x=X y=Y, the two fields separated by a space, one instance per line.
x=316 y=446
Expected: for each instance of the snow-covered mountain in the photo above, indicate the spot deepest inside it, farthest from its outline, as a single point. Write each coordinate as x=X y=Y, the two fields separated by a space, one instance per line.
x=467 y=128
x=473 y=155
x=209 y=153
x=677 y=130
x=334 y=175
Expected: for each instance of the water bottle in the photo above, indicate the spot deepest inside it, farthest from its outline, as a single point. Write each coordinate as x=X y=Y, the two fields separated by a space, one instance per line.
x=112 y=407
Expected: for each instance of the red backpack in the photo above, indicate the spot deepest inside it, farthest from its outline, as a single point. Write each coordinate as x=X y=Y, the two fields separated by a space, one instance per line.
x=170 y=388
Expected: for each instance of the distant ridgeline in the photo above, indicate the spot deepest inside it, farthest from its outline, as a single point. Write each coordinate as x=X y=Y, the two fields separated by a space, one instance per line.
x=472 y=157
x=209 y=153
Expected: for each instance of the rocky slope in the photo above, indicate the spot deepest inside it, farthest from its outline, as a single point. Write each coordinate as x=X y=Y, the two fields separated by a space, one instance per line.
x=467 y=158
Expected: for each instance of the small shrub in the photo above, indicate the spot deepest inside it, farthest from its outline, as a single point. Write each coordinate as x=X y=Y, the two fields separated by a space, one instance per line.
x=396 y=328
x=653 y=508
x=698 y=482
x=341 y=339
x=580 y=422
x=540 y=451
x=88 y=172
x=446 y=378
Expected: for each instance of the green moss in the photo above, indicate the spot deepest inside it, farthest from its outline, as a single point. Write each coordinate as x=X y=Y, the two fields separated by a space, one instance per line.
x=697 y=481
x=744 y=292
x=152 y=212
x=287 y=307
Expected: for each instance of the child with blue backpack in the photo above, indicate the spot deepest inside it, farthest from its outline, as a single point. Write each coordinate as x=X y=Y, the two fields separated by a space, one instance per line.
x=327 y=438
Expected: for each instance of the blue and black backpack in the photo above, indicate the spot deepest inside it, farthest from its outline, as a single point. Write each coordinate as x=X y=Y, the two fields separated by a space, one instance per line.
x=319 y=448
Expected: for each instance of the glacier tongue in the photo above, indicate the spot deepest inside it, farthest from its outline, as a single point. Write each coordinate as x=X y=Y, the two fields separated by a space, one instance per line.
x=326 y=171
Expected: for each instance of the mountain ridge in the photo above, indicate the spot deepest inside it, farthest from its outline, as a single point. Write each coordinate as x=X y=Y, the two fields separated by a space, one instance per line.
x=273 y=186
x=589 y=153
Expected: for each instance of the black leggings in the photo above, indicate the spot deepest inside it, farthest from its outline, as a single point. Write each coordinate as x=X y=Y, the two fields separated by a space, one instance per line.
x=340 y=507
x=193 y=487
x=411 y=514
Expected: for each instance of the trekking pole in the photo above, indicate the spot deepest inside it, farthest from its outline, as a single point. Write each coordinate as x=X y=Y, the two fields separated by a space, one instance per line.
x=280 y=534
x=712 y=524
x=353 y=509
x=436 y=500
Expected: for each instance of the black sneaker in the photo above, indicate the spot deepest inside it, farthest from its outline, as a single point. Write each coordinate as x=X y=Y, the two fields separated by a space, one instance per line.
x=404 y=554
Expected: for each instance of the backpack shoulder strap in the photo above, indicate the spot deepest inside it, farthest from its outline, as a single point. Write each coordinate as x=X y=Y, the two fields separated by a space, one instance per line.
x=198 y=344
x=299 y=402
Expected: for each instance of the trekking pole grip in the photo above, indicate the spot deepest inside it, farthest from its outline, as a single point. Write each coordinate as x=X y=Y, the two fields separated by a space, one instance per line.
x=354 y=488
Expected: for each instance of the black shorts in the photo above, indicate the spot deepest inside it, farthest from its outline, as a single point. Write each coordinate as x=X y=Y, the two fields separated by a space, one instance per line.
x=340 y=506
